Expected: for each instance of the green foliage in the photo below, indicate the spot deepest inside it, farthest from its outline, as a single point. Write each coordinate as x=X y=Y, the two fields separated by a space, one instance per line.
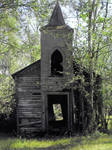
x=96 y=141
x=57 y=111
x=19 y=42
x=92 y=45
x=6 y=95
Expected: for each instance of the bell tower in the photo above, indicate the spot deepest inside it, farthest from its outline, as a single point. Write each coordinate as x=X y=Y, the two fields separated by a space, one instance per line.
x=56 y=48
x=56 y=57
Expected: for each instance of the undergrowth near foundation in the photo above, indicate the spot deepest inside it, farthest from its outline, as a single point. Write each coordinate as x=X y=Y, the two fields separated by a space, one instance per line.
x=96 y=141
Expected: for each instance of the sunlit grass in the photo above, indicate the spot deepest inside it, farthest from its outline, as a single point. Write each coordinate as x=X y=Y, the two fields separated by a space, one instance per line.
x=39 y=144
x=101 y=143
x=97 y=141
x=94 y=142
x=110 y=124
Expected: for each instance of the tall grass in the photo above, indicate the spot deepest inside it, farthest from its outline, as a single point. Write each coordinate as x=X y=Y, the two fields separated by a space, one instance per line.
x=95 y=142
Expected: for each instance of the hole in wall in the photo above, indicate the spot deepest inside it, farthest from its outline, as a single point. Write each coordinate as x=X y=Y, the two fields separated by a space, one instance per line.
x=57 y=112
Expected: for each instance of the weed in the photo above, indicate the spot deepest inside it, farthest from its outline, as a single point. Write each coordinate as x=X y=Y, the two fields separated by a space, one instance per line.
x=95 y=142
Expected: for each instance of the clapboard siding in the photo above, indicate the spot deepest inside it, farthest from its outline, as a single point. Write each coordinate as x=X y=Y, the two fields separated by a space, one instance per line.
x=29 y=108
x=57 y=83
x=26 y=84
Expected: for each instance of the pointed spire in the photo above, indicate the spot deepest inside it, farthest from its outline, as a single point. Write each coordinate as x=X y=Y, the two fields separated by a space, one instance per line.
x=57 y=17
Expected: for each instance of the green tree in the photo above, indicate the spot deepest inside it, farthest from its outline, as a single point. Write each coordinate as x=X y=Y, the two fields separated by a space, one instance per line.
x=92 y=44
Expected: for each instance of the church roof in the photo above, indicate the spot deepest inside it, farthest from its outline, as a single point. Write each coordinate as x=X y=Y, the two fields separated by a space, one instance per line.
x=33 y=69
x=57 y=17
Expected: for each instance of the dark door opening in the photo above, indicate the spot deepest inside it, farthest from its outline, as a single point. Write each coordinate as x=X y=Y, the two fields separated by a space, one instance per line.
x=57 y=112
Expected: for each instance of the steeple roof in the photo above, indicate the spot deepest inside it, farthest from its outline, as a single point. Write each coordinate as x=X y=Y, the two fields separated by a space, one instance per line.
x=57 y=17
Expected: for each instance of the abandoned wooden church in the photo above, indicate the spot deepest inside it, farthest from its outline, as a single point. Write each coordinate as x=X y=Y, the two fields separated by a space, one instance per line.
x=46 y=86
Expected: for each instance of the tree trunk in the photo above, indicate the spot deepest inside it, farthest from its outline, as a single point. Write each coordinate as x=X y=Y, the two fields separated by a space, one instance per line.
x=91 y=66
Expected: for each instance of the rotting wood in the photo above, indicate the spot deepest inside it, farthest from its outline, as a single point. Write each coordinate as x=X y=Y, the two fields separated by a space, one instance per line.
x=30 y=106
x=24 y=113
x=30 y=124
x=30 y=129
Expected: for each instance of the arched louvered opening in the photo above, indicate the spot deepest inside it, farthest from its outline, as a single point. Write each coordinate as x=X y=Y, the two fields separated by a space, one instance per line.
x=56 y=64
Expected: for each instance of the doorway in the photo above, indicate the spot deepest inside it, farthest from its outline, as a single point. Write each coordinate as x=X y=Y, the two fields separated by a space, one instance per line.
x=58 y=112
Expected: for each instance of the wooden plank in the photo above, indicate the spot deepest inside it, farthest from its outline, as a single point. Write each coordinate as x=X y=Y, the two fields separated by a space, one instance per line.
x=36 y=101
x=26 y=101
x=29 y=108
x=27 y=78
x=38 y=114
x=29 y=84
x=30 y=99
x=29 y=102
x=28 y=112
x=30 y=123
x=20 y=111
x=28 y=89
x=28 y=105
x=30 y=130
x=27 y=94
x=19 y=90
x=33 y=129
x=35 y=82
x=29 y=115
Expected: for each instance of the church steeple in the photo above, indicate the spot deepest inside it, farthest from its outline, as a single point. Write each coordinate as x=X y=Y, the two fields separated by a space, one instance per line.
x=57 y=17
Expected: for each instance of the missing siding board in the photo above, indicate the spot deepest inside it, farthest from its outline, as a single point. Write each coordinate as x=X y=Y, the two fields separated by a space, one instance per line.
x=35 y=93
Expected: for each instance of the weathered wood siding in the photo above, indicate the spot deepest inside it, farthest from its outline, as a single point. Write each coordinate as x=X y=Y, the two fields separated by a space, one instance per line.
x=56 y=84
x=29 y=106
x=29 y=103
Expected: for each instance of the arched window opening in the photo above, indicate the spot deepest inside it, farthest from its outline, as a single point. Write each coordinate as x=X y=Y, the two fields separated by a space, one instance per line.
x=56 y=64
